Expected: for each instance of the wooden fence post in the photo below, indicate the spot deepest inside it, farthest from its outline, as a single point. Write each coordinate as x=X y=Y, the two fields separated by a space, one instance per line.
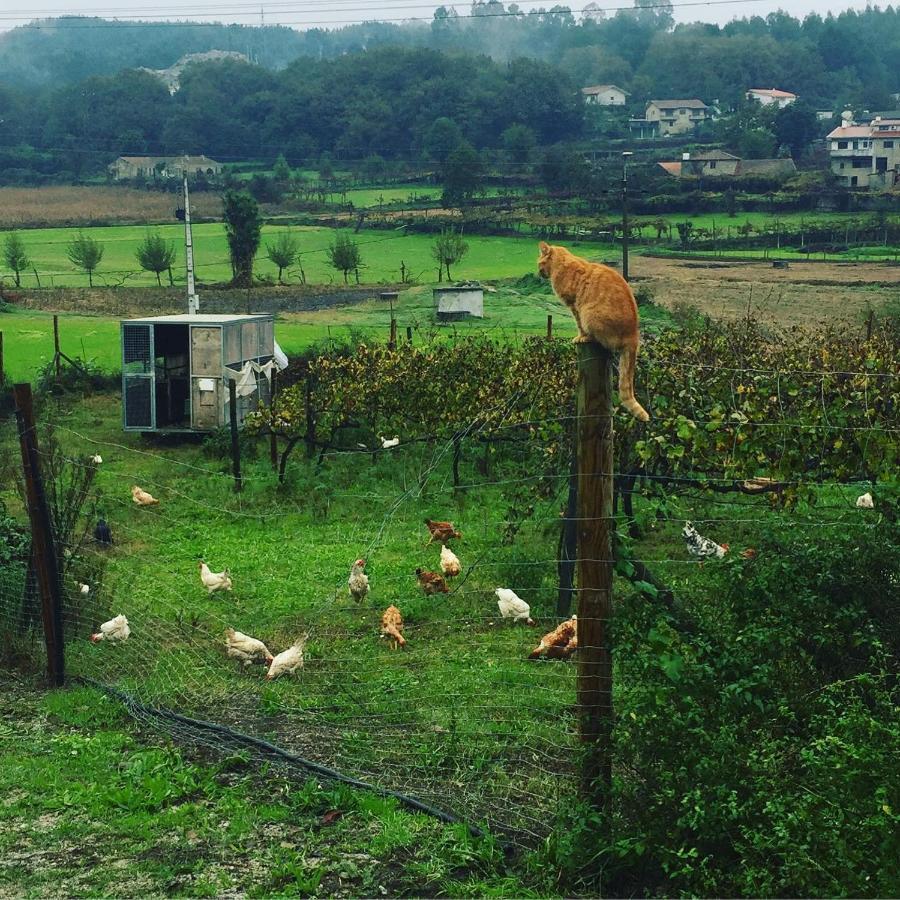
x=56 y=356
x=408 y=334
x=235 y=444
x=273 y=438
x=43 y=544
x=549 y=327
x=595 y=571
x=392 y=341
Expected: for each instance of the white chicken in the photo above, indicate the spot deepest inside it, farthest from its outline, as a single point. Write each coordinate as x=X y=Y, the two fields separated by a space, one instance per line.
x=96 y=459
x=142 y=498
x=288 y=661
x=115 y=630
x=449 y=562
x=702 y=546
x=388 y=443
x=513 y=607
x=245 y=649
x=83 y=589
x=214 y=581
x=865 y=501
x=358 y=582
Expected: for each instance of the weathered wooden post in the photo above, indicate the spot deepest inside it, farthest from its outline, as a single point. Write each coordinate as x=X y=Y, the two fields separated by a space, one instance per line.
x=235 y=444
x=273 y=437
x=595 y=571
x=56 y=356
x=408 y=334
x=43 y=544
x=549 y=327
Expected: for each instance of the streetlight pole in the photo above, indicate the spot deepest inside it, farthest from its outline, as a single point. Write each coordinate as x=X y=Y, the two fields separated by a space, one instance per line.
x=625 y=229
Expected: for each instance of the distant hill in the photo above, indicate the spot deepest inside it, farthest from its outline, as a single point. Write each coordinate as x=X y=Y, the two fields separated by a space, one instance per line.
x=54 y=52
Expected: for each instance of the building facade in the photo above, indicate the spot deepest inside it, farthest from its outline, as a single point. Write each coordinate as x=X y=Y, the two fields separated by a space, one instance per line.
x=770 y=96
x=673 y=116
x=162 y=167
x=866 y=155
x=604 y=95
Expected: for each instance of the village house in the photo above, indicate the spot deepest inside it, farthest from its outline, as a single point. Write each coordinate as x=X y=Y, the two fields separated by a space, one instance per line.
x=719 y=164
x=665 y=117
x=604 y=95
x=866 y=155
x=768 y=96
x=162 y=167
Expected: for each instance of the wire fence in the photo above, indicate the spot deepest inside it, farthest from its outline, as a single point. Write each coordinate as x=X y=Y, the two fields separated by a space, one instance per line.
x=460 y=719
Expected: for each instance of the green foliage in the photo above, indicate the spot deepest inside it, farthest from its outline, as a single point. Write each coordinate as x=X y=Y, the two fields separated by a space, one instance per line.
x=281 y=171
x=243 y=230
x=85 y=253
x=343 y=254
x=282 y=252
x=756 y=143
x=461 y=176
x=448 y=249
x=156 y=254
x=520 y=144
x=15 y=255
x=796 y=126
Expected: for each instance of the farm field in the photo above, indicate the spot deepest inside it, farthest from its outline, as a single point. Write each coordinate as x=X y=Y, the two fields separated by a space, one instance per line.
x=382 y=254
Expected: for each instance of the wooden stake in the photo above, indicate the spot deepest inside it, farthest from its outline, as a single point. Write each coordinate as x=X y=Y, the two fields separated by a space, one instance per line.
x=56 y=356
x=43 y=544
x=549 y=327
x=408 y=334
x=273 y=438
x=235 y=445
x=595 y=571
x=392 y=342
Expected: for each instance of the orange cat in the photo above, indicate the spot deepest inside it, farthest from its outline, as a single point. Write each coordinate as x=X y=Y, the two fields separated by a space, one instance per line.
x=604 y=309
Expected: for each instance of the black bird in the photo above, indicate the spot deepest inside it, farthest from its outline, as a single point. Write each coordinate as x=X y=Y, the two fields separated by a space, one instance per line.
x=101 y=533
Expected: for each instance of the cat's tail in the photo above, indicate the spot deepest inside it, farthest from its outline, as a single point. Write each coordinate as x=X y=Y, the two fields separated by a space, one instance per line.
x=627 y=360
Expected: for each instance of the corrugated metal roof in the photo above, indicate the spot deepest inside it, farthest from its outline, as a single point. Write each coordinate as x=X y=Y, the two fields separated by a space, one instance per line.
x=199 y=319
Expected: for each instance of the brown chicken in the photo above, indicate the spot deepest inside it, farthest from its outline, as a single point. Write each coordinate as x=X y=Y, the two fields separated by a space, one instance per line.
x=442 y=532
x=431 y=582
x=392 y=627
x=560 y=643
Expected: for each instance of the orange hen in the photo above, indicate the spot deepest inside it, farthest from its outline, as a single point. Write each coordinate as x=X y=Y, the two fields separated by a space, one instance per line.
x=392 y=627
x=442 y=532
x=560 y=643
x=431 y=582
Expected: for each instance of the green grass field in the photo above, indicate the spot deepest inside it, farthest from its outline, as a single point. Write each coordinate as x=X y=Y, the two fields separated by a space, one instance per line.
x=382 y=254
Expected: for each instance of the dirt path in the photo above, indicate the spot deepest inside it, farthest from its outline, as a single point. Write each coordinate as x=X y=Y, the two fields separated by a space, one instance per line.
x=804 y=293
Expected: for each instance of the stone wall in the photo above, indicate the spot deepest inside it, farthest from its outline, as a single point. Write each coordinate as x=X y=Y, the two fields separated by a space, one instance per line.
x=128 y=302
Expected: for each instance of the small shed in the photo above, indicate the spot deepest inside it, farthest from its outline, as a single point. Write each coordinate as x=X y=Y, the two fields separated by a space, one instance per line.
x=459 y=301
x=175 y=370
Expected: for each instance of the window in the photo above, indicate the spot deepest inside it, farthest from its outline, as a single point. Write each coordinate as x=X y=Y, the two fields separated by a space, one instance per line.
x=888 y=145
x=842 y=165
x=862 y=163
x=712 y=164
x=842 y=145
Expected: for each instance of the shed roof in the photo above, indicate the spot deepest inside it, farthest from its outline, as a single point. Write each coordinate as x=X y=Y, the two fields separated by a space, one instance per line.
x=675 y=104
x=198 y=319
x=672 y=168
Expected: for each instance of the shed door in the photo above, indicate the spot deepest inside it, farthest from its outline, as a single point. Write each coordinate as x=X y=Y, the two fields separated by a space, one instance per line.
x=137 y=377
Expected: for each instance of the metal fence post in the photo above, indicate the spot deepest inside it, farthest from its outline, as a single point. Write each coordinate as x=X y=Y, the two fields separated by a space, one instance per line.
x=43 y=544
x=595 y=571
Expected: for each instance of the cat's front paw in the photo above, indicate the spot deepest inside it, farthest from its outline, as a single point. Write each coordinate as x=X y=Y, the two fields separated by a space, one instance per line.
x=582 y=339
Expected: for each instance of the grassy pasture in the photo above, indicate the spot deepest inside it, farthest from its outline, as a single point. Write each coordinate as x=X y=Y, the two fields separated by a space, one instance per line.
x=382 y=253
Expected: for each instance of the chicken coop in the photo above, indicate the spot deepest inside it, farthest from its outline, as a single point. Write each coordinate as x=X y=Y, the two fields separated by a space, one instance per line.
x=459 y=301
x=175 y=370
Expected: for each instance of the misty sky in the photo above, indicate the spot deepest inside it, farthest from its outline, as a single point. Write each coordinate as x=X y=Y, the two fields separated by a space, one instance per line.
x=331 y=13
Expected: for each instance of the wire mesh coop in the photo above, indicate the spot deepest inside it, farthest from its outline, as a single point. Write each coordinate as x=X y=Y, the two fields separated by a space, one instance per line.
x=175 y=370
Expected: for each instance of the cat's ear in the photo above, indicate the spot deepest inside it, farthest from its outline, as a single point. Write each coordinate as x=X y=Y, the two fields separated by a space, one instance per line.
x=543 y=246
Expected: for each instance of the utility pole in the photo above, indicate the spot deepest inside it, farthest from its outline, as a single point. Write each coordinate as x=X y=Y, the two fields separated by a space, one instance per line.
x=625 y=155
x=193 y=299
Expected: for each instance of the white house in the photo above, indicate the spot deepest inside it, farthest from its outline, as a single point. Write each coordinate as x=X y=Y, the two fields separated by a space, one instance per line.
x=667 y=117
x=768 y=96
x=604 y=95
x=866 y=155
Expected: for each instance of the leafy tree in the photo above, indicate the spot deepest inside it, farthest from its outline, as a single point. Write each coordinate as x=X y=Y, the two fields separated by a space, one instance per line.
x=281 y=171
x=448 y=249
x=156 y=254
x=519 y=142
x=442 y=138
x=283 y=252
x=85 y=253
x=326 y=167
x=564 y=170
x=757 y=143
x=14 y=255
x=796 y=126
x=343 y=254
x=243 y=230
x=461 y=176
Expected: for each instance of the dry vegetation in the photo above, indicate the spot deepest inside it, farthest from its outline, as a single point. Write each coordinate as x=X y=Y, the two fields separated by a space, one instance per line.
x=66 y=206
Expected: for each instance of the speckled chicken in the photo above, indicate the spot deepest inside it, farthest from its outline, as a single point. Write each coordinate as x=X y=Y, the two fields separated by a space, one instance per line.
x=142 y=498
x=449 y=562
x=288 y=661
x=431 y=582
x=246 y=649
x=358 y=581
x=115 y=631
x=703 y=547
x=560 y=643
x=443 y=532
x=392 y=627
